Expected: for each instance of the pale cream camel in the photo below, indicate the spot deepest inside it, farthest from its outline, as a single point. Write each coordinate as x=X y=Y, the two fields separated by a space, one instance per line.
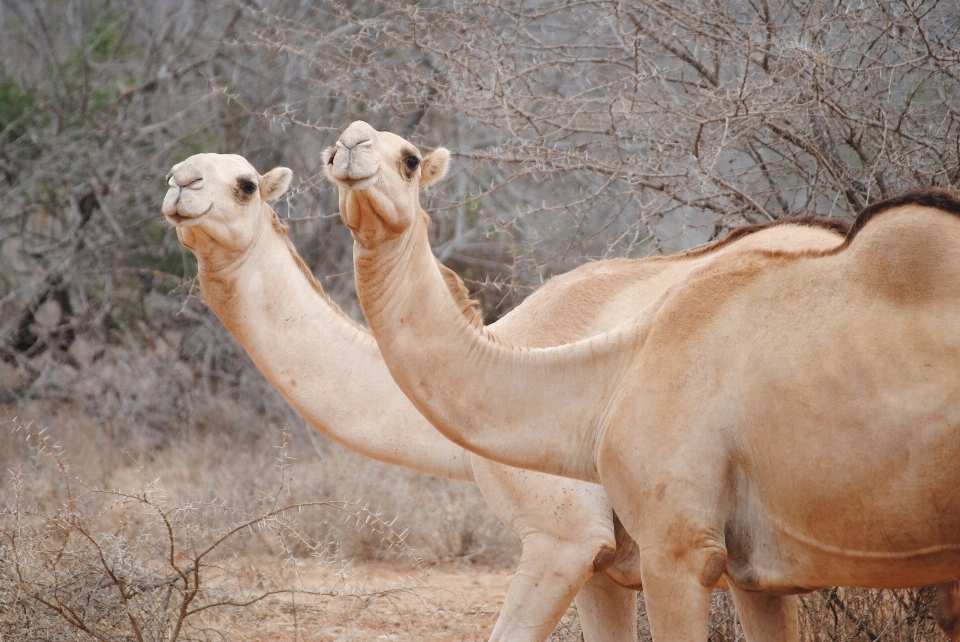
x=789 y=420
x=254 y=281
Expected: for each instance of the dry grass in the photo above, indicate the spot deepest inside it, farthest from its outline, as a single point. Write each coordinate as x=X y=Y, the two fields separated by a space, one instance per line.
x=83 y=561
x=193 y=539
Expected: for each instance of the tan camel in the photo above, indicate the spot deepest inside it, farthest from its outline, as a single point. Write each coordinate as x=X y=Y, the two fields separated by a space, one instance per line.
x=788 y=420
x=254 y=281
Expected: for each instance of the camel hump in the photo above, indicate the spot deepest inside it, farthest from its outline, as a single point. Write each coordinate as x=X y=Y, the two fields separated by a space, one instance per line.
x=932 y=197
x=907 y=248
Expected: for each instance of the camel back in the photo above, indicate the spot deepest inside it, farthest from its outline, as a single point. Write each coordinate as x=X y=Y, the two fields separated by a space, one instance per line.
x=841 y=227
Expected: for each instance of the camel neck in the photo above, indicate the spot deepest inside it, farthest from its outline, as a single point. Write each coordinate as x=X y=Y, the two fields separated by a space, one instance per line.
x=325 y=365
x=531 y=408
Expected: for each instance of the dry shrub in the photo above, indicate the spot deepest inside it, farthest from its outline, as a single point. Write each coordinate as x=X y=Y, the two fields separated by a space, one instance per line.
x=79 y=561
x=862 y=615
x=441 y=519
x=218 y=478
x=211 y=469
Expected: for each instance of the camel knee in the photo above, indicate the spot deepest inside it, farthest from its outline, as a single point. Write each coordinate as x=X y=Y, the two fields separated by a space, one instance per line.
x=598 y=550
x=705 y=565
x=713 y=569
x=603 y=549
x=625 y=570
x=581 y=557
x=604 y=558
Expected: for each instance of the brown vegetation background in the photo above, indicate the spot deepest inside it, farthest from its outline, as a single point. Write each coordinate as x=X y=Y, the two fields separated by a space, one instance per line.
x=580 y=130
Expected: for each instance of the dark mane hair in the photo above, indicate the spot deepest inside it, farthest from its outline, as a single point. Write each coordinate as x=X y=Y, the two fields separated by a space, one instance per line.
x=937 y=197
x=841 y=227
x=461 y=295
x=283 y=230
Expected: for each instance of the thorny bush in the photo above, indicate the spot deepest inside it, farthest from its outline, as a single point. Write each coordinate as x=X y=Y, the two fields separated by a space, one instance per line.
x=82 y=562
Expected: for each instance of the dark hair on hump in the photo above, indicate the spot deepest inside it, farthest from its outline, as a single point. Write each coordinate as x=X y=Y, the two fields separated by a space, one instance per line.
x=937 y=197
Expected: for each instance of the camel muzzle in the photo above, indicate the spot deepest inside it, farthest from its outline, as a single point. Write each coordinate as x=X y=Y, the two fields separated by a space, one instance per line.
x=177 y=211
x=354 y=161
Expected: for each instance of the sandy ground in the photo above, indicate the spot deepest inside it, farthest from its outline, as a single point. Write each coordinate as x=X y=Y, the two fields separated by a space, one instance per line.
x=449 y=602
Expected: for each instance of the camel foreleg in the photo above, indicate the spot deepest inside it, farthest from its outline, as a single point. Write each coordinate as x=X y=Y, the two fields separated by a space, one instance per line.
x=549 y=575
x=677 y=586
x=607 y=610
x=766 y=618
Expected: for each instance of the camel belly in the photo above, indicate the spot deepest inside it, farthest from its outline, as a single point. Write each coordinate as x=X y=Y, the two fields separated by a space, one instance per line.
x=808 y=565
x=873 y=504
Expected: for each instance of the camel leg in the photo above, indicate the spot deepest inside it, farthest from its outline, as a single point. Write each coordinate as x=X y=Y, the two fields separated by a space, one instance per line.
x=549 y=575
x=943 y=600
x=678 y=601
x=567 y=531
x=765 y=618
x=607 y=611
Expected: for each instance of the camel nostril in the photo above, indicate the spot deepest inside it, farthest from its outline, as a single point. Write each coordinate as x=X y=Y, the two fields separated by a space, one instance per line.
x=366 y=142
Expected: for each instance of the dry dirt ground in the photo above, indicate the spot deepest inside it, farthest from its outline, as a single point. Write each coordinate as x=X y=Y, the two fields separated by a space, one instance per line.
x=443 y=603
x=459 y=602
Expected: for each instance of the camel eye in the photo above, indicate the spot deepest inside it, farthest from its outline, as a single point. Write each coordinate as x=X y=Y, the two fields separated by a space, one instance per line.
x=412 y=162
x=248 y=187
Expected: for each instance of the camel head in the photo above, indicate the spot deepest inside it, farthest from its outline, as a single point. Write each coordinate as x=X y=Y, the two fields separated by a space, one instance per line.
x=219 y=204
x=379 y=176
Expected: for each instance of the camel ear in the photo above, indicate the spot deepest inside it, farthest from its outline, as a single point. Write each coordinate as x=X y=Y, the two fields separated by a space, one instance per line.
x=274 y=183
x=433 y=167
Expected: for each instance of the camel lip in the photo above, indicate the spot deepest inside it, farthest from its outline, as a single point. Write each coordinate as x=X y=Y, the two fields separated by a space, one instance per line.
x=359 y=183
x=179 y=220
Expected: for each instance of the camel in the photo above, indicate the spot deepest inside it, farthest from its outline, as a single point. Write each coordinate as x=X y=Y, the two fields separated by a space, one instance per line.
x=785 y=419
x=253 y=279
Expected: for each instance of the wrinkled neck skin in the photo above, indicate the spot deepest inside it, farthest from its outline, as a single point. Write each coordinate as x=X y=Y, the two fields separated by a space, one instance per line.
x=539 y=409
x=326 y=366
